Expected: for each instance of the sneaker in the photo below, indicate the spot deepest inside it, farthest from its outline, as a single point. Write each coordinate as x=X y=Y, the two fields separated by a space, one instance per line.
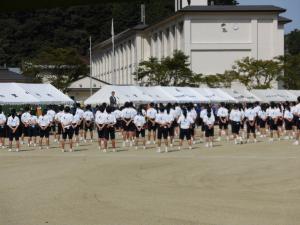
x=40 y=148
x=179 y=147
x=144 y=147
x=9 y=150
x=71 y=150
x=235 y=142
x=148 y=142
x=28 y=145
x=99 y=147
x=62 y=150
x=271 y=140
x=136 y=148
x=296 y=143
x=124 y=144
x=190 y=147
x=194 y=142
x=34 y=145
x=91 y=140
x=84 y=140
x=154 y=142
x=17 y=150
x=158 y=150
x=130 y=144
x=171 y=145
x=77 y=145
x=55 y=140
x=114 y=150
x=219 y=139
x=255 y=141
x=211 y=144
x=206 y=145
x=47 y=148
x=166 y=149
x=104 y=150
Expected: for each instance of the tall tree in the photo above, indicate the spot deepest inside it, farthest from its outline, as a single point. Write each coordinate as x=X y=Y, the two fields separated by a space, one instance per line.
x=291 y=67
x=292 y=42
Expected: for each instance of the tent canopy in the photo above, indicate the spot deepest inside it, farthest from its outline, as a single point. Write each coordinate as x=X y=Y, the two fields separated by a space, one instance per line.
x=23 y=93
x=157 y=94
x=268 y=95
x=215 y=95
x=241 y=95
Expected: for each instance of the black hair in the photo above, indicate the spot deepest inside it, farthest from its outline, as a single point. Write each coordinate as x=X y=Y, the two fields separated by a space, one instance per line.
x=88 y=107
x=209 y=112
x=222 y=104
x=33 y=112
x=101 y=108
x=27 y=108
x=61 y=108
x=0 y=108
x=108 y=109
x=67 y=109
x=298 y=98
x=13 y=113
x=44 y=112
x=184 y=112
x=272 y=104
x=151 y=104
x=161 y=108
x=78 y=105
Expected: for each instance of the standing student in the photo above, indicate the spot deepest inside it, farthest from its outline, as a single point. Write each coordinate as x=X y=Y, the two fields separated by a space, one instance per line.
x=79 y=114
x=297 y=112
x=13 y=123
x=44 y=122
x=273 y=114
x=280 y=119
x=51 y=115
x=288 y=122
x=67 y=129
x=295 y=117
x=118 y=114
x=236 y=119
x=171 y=126
x=101 y=122
x=110 y=128
x=76 y=123
x=58 y=122
x=209 y=121
x=177 y=114
x=140 y=122
x=162 y=128
x=203 y=113
x=150 y=116
x=222 y=114
x=128 y=114
x=184 y=122
x=262 y=121
x=193 y=114
x=25 y=123
x=33 y=128
x=88 y=117
x=2 y=128
x=250 y=116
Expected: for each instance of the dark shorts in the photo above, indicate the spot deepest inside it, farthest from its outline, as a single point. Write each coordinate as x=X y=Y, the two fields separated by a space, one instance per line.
x=262 y=123
x=171 y=131
x=184 y=133
x=59 y=129
x=235 y=127
x=110 y=133
x=223 y=125
x=76 y=129
x=25 y=130
x=209 y=132
x=102 y=133
x=151 y=126
x=162 y=132
x=68 y=133
x=192 y=130
x=140 y=133
x=33 y=131
x=288 y=125
x=119 y=124
x=250 y=128
x=130 y=127
x=12 y=136
x=280 y=123
x=2 y=131
x=89 y=126
x=45 y=133
x=53 y=127
x=273 y=125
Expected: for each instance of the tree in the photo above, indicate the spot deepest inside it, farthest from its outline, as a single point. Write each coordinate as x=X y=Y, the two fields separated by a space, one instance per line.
x=292 y=42
x=170 y=71
x=60 y=66
x=220 y=80
x=291 y=67
x=257 y=74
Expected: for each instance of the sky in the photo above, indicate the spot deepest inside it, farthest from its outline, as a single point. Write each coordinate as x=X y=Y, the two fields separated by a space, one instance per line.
x=292 y=7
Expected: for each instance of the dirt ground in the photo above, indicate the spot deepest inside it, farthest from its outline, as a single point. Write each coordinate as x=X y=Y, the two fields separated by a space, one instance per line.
x=250 y=184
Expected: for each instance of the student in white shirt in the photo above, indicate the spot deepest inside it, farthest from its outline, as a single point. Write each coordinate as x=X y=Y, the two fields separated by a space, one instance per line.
x=222 y=115
x=101 y=124
x=44 y=122
x=288 y=122
x=67 y=129
x=110 y=128
x=262 y=120
x=2 y=127
x=209 y=121
x=236 y=119
x=171 y=125
x=162 y=128
x=118 y=114
x=13 y=123
x=185 y=123
x=273 y=114
x=25 y=123
x=140 y=122
x=177 y=114
x=150 y=116
x=193 y=114
x=128 y=114
x=203 y=113
x=76 y=124
x=250 y=116
x=33 y=128
x=297 y=113
x=79 y=114
x=51 y=115
x=57 y=119
x=88 y=117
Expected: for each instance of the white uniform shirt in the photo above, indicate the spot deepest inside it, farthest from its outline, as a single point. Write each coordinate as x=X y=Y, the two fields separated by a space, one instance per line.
x=273 y=113
x=101 y=118
x=13 y=122
x=127 y=113
x=297 y=109
x=111 y=118
x=192 y=114
x=2 y=119
x=76 y=119
x=44 y=121
x=203 y=113
x=88 y=116
x=178 y=112
x=170 y=117
x=222 y=112
x=139 y=121
x=262 y=114
x=151 y=113
x=294 y=110
x=257 y=109
x=235 y=115
x=185 y=122
x=25 y=117
x=33 y=120
x=66 y=120
x=161 y=118
x=51 y=114
x=118 y=114
x=58 y=116
x=250 y=114
x=209 y=120
x=288 y=114
x=79 y=112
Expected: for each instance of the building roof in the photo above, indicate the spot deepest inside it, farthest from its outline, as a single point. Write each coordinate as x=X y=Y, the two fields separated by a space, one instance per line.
x=284 y=20
x=233 y=8
x=8 y=76
x=84 y=84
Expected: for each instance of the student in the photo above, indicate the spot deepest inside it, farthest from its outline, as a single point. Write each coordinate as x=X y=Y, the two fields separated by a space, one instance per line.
x=297 y=112
x=13 y=123
x=101 y=122
x=33 y=128
x=236 y=120
x=67 y=129
x=25 y=123
x=58 y=122
x=51 y=115
x=150 y=116
x=140 y=122
x=203 y=113
x=88 y=117
x=76 y=125
x=118 y=114
x=161 y=120
x=288 y=122
x=2 y=128
x=110 y=128
x=79 y=114
x=184 y=122
x=209 y=121
x=273 y=114
x=128 y=114
x=177 y=114
x=250 y=116
x=193 y=114
x=295 y=117
x=44 y=122
x=222 y=114
x=262 y=120
x=171 y=126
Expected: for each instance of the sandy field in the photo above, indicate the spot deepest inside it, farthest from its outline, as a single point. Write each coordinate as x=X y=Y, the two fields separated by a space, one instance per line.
x=250 y=184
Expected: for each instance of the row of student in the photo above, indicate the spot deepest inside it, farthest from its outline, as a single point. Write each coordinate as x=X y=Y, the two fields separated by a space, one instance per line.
x=253 y=116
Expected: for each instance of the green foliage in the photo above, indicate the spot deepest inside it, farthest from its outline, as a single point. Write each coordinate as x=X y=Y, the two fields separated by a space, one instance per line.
x=60 y=66
x=291 y=67
x=292 y=42
x=170 y=71
x=220 y=80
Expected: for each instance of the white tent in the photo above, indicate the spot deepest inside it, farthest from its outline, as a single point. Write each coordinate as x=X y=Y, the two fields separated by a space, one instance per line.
x=157 y=94
x=241 y=95
x=215 y=95
x=268 y=95
x=185 y=94
x=12 y=94
x=46 y=93
x=295 y=92
x=285 y=94
x=123 y=94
